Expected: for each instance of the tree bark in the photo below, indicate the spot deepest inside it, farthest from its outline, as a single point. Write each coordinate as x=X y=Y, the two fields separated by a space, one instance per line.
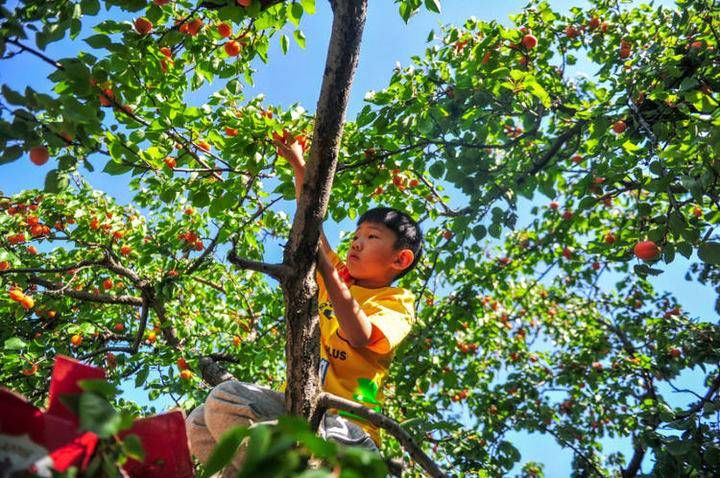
x=299 y=286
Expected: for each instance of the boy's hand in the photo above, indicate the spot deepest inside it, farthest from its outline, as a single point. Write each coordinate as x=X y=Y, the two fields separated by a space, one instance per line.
x=290 y=149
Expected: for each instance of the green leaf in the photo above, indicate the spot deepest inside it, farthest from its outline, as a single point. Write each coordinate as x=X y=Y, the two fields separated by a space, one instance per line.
x=90 y=7
x=299 y=38
x=12 y=96
x=225 y=449
x=296 y=11
x=709 y=252
x=258 y=444
x=98 y=416
x=479 y=232
x=132 y=446
x=15 y=343
x=52 y=183
x=141 y=376
x=406 y=11
x=100 y=386
x=116 y=168
x=308 y=6
x=11 y=154
x=433 y=5
x=284 y=43
x=437 y=170
x=99 y=41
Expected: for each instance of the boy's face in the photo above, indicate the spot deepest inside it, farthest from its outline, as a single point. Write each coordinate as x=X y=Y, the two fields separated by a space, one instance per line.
x=372 y=259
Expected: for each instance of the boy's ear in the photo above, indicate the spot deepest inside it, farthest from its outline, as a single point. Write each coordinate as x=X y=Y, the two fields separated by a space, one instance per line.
x=403 y=259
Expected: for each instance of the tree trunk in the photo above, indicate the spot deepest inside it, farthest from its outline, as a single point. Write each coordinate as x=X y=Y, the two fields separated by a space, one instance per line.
x=299 y=287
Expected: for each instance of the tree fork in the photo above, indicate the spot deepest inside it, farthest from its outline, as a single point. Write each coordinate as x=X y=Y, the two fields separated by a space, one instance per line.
x=299 y=287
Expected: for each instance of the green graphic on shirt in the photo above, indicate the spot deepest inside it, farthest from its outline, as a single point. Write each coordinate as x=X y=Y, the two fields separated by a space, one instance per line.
x=366 y=392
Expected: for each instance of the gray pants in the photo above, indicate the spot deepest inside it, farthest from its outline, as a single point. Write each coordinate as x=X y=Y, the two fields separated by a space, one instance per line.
x=235 y=403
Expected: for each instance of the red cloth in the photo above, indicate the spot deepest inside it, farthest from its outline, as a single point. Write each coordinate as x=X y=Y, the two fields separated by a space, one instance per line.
x=166 y=447
x=163 y=437
x=58 y=437
x=66 y=373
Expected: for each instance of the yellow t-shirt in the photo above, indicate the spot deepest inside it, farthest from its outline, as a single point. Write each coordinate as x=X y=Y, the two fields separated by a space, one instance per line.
x=359 y=373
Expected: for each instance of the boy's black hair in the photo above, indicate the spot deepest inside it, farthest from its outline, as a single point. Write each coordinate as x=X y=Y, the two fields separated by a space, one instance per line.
x=409 y=235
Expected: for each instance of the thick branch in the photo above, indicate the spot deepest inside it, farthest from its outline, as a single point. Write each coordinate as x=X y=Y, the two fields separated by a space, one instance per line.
x=213 y=373
x=278 y=271
x=299 y=287
x=326 y=400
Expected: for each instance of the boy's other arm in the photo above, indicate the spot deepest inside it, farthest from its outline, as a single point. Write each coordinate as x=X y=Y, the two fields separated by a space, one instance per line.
x=355 y=326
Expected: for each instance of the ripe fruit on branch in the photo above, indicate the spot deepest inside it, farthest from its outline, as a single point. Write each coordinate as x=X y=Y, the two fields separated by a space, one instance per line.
x=4 y=265
x=529 y=41
x=609 y=238
x=107 y=284
x=125 y=250
x=27 y=302
x=232 y=48
x=594 y=23
x=143 y=26
x=170 y=162
x=236 y=340
x=576 y=158
x=571 y=31
x=675 y=352
x=232 y=132
x=16 y=294
x=182 y=363
x=203 y=145
x=32 y=250
x=151 y=337
x=567 y=215
x=619 y=126
x=194 y=26
x=39 y=155
x=554 y=205
x=110 y=360
x=166 y=51
x=160 y=3
x=646 y=250
x=186 y=375
x=244 y=3
x=76 y=340
x=224 y=30
x=106 y=97
x=625 y=49
x=32 y=370
x=119 y=327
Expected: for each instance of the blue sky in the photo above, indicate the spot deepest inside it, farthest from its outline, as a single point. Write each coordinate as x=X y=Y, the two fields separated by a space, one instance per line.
x=295 y=78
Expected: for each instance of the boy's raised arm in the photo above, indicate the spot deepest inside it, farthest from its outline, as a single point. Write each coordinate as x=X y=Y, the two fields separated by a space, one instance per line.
x=293 y=152
x=355 y=326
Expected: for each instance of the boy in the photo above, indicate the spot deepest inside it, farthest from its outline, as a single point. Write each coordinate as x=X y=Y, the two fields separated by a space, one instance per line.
x=362 y=321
